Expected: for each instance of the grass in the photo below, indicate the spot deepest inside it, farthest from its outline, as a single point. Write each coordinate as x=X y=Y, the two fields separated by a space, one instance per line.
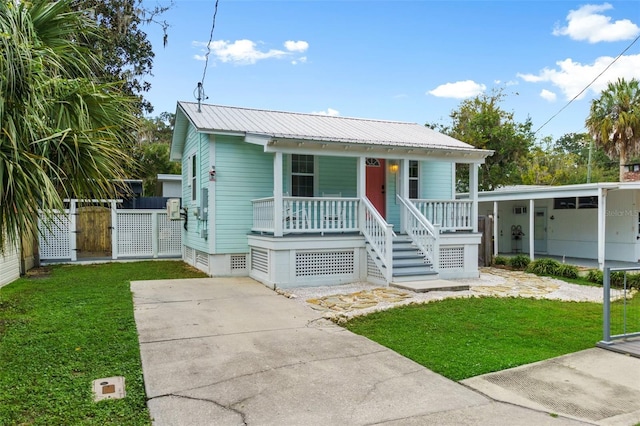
x=461 y=338
x=59 y=333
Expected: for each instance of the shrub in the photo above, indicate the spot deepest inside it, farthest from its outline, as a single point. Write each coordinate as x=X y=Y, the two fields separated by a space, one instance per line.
x=567 y=271
x=544 y=267
x=617 y=278
x=500 y=260
x=519 y=262
x=595 y=276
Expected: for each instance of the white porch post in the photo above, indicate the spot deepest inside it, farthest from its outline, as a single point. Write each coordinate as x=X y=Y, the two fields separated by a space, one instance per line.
x=532 y=231
x=277 y=194
x=495 y=228
x=473 y=194
x=602 y=218
x=404 y=192
x=361 y=187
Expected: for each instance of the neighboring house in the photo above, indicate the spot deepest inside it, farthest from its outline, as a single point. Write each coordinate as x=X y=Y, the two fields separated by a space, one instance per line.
x=591 y=221
x=9 y=265
x=170 y=185
x=300 y=199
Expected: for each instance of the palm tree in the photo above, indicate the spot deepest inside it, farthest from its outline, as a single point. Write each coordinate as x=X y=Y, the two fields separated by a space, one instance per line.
x=62 y=131
x=614 y=120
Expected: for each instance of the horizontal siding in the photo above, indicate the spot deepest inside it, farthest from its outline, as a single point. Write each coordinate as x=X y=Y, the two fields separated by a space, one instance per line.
x=9 y=266
x=243 y=173
x=337 y=175
x=199 y=144
x=436 y=180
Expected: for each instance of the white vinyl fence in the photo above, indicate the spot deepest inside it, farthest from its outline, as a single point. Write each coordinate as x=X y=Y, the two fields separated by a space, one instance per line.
x=139 y=234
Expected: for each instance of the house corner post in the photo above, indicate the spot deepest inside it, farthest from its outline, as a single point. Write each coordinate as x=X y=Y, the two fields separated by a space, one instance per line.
x=602 y=222
x=473 y=194
x=532 y=231
x=277 y=194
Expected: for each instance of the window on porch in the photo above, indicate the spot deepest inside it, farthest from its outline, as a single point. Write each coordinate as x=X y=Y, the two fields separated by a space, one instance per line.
x=302 y=175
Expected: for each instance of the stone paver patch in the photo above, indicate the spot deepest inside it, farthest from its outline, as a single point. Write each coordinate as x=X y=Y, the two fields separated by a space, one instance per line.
x=359 y=300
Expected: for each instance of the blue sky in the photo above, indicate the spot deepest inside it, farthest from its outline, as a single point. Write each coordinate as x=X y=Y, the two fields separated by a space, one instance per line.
x=396 y=60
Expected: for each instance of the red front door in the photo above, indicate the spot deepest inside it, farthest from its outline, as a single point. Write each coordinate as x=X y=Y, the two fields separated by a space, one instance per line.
x=376 y=184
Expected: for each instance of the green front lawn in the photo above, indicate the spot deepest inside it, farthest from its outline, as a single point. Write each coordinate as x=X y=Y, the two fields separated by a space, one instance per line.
x=60 y=332
x=461 y=338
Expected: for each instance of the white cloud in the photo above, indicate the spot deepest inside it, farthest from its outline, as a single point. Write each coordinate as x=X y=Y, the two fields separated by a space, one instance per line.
x=548 y=95
x=458 y=90
x=571 y=77
x=330 y=112
x=247 y=52
x=586 y=23
x=296 y=46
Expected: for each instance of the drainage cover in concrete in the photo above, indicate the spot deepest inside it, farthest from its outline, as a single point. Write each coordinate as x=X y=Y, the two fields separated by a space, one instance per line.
x=108 y=388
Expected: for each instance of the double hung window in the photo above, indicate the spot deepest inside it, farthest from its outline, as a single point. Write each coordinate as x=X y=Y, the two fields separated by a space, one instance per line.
x=302 y=175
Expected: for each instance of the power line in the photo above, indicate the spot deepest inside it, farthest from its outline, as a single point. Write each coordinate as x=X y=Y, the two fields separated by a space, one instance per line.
x=206 y=56
x=589 y=85
x=199 y=91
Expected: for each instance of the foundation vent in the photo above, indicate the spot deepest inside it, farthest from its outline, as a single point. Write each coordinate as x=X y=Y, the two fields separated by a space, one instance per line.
x=238 y=262
x=260 y=260
x=452 y=258
x=324 y=263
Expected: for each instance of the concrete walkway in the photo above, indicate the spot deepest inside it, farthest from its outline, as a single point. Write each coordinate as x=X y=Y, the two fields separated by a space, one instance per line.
x=232 y=352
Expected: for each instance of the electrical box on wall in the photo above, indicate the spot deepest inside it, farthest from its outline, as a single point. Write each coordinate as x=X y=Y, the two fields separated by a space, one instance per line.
x=204 y=203
x=173 y=208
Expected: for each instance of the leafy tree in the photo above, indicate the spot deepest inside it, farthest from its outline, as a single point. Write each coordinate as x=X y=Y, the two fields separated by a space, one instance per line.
x=614 y=121
x=582 y=147
x=151 y=154
x=126 y=53
x=62 y=129
x=481 y=122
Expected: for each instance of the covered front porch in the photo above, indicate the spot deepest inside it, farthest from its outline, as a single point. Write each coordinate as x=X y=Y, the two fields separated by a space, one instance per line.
x=332 y=239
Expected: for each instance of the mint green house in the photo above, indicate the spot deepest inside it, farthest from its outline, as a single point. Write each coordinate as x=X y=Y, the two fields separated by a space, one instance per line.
x=301 y=199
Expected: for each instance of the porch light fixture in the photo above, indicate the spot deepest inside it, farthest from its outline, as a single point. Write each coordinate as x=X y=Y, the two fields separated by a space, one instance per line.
x=393 y=167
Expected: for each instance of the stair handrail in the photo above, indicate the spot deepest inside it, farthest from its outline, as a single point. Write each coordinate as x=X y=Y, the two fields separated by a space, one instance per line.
x=422 y=232
x=379 y=234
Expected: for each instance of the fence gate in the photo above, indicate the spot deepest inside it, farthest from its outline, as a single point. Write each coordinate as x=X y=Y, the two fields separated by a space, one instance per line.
x=621 y=313
x=93 y=232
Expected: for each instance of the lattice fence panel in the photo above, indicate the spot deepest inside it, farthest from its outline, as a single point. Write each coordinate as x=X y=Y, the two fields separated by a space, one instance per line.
x=372 y=269
x=324 y=263
x=135 y=236
x=238 y=262
x=54 y=237
x=452 y=258
x=260 y=260
x=169 y=235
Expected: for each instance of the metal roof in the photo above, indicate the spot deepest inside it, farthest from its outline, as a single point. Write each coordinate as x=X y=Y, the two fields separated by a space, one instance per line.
x=315 y=127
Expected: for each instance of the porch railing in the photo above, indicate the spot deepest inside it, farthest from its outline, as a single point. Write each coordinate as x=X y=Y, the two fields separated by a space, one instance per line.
x=450 y=215
x=379 y=234
x=423 y=233
x=307 y=215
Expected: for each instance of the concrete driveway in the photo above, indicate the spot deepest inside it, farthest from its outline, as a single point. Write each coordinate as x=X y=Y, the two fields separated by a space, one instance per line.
x=229 y=351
